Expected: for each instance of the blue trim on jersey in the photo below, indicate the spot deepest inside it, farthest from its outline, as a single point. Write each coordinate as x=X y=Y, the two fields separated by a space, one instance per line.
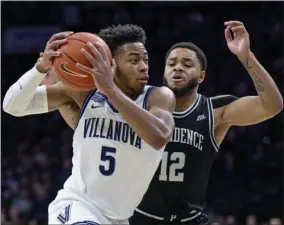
x=87 y=222
x=85 y=103
x=112 y=107
x=144 y=105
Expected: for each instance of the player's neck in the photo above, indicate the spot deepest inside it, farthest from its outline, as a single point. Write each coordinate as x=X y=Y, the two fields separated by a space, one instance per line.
x=184 y=102
x=131 y=95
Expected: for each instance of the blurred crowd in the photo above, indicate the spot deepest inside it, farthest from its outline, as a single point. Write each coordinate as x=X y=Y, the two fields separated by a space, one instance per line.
x=245 y=186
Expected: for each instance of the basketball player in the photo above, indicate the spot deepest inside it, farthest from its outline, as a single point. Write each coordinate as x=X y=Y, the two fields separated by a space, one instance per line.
x=121 y=133
x=177 y=191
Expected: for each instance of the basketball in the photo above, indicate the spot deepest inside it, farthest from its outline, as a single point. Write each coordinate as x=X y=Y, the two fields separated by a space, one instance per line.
x=65 y=64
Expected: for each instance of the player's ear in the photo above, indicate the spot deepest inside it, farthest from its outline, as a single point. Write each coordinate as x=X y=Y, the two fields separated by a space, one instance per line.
x=201 y=76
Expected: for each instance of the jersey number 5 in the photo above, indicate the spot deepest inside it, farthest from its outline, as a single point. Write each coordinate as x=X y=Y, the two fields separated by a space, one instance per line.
x=108 y=161
x=177 y=162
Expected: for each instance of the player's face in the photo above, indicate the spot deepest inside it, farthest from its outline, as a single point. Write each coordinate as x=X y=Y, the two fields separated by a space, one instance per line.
x=132 y=68
x=182 y=71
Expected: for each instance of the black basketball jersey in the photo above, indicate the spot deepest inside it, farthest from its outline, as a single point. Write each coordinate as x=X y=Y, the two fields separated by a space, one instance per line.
x=181 y=180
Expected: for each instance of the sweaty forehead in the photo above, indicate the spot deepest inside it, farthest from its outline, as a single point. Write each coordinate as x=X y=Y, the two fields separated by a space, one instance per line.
x=182 y=53
x=132 y=49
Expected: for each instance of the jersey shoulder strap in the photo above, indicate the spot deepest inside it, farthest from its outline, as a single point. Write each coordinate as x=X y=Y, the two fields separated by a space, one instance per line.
x=222 y=100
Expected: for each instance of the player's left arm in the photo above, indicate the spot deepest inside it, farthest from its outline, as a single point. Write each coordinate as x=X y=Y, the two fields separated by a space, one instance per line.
x=250 y=109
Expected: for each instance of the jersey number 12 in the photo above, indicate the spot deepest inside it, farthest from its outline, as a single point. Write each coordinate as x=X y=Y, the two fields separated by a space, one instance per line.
x=177 y=162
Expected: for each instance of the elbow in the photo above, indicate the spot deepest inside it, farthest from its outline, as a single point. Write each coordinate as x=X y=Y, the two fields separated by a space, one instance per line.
x=11 y=112
x=279 y=107
x=161 y=139
x=8 y=109
x=276 y=108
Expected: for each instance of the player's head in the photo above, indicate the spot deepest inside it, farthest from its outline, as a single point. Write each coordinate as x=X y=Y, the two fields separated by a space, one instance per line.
x=126 y=43
x=185 y=68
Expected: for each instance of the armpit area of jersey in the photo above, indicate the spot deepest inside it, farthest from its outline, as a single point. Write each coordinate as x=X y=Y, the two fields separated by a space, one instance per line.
x=222 y=100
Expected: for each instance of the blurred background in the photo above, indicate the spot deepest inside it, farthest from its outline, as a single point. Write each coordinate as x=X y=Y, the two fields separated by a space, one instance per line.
x=245 y=186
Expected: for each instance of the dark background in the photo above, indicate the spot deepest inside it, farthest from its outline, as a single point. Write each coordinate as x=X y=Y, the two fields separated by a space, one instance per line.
x=37 y=150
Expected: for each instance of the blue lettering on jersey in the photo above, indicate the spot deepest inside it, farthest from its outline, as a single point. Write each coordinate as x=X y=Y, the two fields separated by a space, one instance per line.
x=111 y=129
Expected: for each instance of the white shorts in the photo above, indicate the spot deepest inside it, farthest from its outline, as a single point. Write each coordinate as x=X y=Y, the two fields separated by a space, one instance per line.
x=74 y=212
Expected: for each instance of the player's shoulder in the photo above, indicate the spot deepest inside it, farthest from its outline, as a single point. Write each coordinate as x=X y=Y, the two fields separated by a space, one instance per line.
x=222 y=100
x=161 y=92
x=160 y=95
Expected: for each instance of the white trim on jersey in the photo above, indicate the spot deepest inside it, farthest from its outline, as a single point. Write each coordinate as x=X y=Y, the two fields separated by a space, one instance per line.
x=161 y=218
x=189 y=110
x=149 y=215
x=219 y=96
x=211 y=124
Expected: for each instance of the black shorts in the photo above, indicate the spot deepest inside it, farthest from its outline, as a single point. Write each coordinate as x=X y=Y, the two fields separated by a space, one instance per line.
x=140 y=219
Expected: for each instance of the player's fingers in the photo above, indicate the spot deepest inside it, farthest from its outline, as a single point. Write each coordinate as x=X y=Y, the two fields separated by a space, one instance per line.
x=89 y=57
x=96 y=52
x=60 y=35
x=238 y=29
x=51 y=53
x=103 y=52
x=228 y=35
x=233 y=23
x=39 y=59
x=55 y=44
x=84 y=68
x=113 y=67
x=113 y=64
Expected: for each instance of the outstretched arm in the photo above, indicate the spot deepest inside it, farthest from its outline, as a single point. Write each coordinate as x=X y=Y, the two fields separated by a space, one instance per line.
x=250 y=109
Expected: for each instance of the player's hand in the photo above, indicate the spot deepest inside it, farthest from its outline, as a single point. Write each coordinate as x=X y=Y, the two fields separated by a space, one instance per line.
x=46 y=60
x=238 y=42
x=102 y=71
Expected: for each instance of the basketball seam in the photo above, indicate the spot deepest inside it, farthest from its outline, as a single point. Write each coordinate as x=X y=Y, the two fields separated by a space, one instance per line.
x=77 y=40
x=65 y=54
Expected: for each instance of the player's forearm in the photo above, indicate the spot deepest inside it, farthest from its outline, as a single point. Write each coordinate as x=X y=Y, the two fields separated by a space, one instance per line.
x=266 y=88
x=147 y=126
x=21 y=94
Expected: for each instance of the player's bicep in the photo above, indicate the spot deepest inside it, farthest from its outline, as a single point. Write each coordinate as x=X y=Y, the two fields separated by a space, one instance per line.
x=245 y=111
x=162 y=103
x=70 y=113
x=56 y=96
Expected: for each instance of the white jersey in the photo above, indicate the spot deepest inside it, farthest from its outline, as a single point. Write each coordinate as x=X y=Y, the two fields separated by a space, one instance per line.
x=112 y=166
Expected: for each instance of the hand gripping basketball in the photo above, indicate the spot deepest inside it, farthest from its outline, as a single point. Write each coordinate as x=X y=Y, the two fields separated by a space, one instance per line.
x=46 y=61
x=102 y=71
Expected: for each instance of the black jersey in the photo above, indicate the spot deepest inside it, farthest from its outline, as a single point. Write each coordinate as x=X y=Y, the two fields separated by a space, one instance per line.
x=181 y=180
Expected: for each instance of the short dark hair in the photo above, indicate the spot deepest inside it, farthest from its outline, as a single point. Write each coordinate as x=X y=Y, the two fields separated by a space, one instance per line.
x=116 y=36
x=199 y=53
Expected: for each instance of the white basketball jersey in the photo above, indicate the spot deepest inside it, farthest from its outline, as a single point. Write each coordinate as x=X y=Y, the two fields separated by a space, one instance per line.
x=112 y=166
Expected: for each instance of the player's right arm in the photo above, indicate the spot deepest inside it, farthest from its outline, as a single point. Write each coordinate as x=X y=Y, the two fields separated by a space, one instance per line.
x=69 y=111
x=26 y=97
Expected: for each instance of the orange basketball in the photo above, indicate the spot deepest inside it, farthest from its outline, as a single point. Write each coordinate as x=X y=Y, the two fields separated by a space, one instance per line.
x=65 y=64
